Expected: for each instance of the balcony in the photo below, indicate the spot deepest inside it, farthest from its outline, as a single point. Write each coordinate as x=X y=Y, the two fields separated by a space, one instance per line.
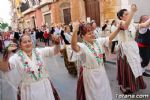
x=33 y=5
x=44 y=2
x=24 y=6
x=28 y=4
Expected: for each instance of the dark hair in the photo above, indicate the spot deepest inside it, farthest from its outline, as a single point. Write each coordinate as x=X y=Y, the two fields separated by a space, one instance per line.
x=24 y=30
x=113 y=22
x=66 y=26
x=20 y=39
x=34 y=29
x=84 y=28
x=120 y=13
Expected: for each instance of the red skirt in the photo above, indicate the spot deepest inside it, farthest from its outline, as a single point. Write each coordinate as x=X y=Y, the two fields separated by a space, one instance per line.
x=80 y=86
x=125 y=75
x=56 y=96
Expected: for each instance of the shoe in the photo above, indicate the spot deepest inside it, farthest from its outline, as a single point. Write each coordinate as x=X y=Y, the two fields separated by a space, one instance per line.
x=129 y=91
x=124 y=91
x=146 y=74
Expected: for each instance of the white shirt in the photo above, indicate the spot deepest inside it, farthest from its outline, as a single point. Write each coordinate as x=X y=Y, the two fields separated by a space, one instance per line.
x=97 y=32
x=113 y=29
x=68 y=36
x=31 y=90
x=143 y=30
x=130 y=48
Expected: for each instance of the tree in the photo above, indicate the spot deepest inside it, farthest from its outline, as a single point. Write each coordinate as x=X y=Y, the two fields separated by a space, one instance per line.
x=3 y=26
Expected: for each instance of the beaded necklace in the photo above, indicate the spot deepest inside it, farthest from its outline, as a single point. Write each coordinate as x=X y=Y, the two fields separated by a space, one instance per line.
x=99 y=56
x=27 y=68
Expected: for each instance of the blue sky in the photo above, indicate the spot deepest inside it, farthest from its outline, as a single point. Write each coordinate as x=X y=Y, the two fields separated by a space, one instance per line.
x=5 y=10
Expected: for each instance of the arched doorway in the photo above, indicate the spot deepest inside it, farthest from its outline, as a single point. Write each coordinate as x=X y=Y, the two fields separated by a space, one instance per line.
x=93 y=10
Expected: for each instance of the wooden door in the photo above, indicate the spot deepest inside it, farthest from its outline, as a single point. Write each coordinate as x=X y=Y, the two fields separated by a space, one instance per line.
x=67 y=16
x=47 y=18
x=93 y=10
x=33 y=24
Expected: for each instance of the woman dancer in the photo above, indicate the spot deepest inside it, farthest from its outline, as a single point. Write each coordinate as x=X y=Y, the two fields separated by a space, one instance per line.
x=31 y=77
x=93 y=83
x=143 y=40
x=129 y=63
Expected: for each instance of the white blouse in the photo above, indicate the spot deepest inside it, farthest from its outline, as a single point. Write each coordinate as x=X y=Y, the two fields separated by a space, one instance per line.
x=130 y=48
x=95 y=80
x=30 y=88
x=86 y=57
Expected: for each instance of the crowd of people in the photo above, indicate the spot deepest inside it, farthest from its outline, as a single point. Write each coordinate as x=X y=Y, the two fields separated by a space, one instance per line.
x=87 y=44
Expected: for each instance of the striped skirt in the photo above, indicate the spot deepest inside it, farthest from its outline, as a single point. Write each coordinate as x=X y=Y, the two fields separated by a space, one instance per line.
x=80 y=86
x=71 y=66
x=126 y=77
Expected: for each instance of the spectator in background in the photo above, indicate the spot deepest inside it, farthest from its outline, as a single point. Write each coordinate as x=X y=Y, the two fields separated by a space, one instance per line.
x=26 y=31
x=115 y=40
x=17 y=35
x=37 y=33
x=71 y=27
x=105 y=25
x=46 y=35
x=52 y=29
x=6 y=41
x=67 y=35
x=41 y=32
x=97 y=30
x=57 y=30
x=106 y=28
x=33 y=36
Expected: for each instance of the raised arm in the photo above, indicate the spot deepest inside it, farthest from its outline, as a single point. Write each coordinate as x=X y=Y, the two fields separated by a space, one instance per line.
x=74 y=44
x=131 y=14
x=114 y=34
x=4 y=64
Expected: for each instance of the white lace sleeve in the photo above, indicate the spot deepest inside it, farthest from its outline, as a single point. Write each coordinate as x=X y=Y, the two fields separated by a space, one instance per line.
x=77 y=55
x=12 y=62
x=14 y=75
x=46 y=52
x=103 y=41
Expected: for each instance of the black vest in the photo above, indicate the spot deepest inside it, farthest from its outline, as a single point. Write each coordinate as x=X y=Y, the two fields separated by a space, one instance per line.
x=144 y=38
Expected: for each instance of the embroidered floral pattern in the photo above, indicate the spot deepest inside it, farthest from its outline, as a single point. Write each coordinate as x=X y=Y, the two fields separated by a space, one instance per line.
x=28 y=69
x=99 y=56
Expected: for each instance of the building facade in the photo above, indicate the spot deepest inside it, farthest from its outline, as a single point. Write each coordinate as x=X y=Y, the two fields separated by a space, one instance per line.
x=73 y=10
x=35 y=13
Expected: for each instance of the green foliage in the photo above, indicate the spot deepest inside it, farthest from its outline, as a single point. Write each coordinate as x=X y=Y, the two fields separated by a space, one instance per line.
x=3 y=26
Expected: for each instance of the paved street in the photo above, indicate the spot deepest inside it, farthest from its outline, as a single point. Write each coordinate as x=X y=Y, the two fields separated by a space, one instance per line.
x=49 y=22
x=66 y=84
